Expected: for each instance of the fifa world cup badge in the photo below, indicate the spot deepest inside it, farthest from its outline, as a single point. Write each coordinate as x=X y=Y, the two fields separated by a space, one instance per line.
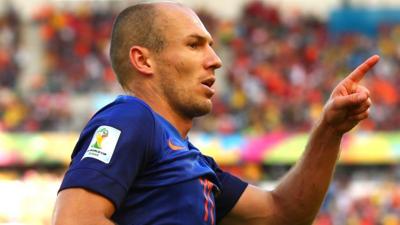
x=103 y=144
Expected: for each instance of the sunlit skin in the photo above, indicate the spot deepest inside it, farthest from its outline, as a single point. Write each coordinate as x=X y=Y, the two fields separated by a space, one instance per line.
x=180 y=84
x=299 y=194
x=349 y=102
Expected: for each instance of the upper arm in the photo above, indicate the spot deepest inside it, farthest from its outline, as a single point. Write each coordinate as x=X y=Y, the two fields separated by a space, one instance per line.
x=107 y=158
x=79 y=206
x=111 y=151
x=255 y=206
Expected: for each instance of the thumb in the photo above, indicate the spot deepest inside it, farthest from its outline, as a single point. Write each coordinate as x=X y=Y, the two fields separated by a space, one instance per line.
x=355 y=99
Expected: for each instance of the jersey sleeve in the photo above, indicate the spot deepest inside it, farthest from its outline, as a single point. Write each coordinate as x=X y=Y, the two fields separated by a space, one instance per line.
x=111 y=151
x=231 y=189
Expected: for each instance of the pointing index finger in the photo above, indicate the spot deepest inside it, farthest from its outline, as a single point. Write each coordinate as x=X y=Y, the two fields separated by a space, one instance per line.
x=362 y=69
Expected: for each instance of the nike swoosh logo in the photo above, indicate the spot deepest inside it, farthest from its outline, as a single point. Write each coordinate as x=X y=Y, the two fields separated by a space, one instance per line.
x=173 y=146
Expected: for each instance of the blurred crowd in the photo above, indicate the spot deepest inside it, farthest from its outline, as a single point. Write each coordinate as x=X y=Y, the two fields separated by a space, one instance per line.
x=10 y=39
x=9 y=45
x=28 y=197
x=74 y=49
x=278 y=71
x=361 y=203
x=283 y=69
x=349 y=201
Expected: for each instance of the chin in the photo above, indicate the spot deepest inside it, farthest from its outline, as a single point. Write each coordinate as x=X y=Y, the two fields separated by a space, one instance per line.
x=199 y=109
x=207 y=106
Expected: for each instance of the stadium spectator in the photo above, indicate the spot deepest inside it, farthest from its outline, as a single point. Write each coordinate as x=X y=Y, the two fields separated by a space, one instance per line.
x=9 y=42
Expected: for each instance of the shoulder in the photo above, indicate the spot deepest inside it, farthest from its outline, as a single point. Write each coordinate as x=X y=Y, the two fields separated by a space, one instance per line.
x=127 y=114
x=125 y=110
x=128 y=119
x=131 y=116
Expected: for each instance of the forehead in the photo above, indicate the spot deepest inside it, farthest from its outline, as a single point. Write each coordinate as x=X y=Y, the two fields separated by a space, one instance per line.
x=180 y=21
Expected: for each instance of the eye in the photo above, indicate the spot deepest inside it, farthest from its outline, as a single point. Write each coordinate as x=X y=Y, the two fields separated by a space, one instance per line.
x=193 y=45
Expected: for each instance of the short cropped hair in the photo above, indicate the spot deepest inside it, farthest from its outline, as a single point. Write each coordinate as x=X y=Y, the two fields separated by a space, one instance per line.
x=135 y=25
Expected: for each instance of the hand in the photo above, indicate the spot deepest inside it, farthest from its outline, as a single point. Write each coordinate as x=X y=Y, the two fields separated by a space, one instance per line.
x=349 y=102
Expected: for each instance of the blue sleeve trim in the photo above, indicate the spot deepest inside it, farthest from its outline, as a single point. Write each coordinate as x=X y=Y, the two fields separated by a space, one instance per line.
x=96 y=182
x=233 y=188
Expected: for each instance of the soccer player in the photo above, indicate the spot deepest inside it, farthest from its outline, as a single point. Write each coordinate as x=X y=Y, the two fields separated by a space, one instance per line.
x=133 y=163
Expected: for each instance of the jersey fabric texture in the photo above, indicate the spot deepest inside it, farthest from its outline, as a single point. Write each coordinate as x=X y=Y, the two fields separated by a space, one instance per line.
x=135 y=158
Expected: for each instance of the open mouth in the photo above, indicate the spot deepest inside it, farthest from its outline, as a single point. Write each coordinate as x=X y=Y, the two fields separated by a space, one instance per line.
x=209 y=82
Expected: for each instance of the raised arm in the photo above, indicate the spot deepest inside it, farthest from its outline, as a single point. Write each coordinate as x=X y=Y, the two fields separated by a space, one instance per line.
x=298 y=196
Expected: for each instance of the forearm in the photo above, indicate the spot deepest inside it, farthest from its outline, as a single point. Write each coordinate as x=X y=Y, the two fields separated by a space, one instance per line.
x=298 y=197
x=301 y=192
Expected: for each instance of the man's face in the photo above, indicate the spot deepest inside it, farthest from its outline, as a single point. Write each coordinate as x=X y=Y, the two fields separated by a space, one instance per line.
x=185 y=67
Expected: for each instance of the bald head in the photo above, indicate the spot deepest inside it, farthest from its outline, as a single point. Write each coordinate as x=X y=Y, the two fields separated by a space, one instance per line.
x=136 y=25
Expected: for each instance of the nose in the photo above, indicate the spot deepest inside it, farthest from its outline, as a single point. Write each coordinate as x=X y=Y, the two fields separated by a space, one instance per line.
x=213 y=61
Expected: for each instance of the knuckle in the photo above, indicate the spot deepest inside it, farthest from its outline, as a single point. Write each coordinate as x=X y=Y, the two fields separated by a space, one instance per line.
x=354 y=99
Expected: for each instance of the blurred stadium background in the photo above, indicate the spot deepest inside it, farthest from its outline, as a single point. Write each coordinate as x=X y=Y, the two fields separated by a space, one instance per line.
x=281 y=60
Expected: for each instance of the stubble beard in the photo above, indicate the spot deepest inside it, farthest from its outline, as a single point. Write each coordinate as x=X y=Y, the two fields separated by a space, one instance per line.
x=183 y=101
x=185 y=104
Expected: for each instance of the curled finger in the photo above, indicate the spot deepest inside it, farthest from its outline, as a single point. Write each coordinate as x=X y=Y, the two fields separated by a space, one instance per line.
x=361 y=116
x=349 y=101
x=362 y=89
x=361 y=108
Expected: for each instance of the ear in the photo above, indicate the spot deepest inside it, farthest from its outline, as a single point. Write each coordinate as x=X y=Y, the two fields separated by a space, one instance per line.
x=139 y=59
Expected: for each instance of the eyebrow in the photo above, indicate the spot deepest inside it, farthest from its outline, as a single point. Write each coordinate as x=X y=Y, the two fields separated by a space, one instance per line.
x=202 y=38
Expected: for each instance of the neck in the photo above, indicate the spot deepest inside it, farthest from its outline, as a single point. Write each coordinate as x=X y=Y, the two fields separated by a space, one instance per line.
x=163 y=108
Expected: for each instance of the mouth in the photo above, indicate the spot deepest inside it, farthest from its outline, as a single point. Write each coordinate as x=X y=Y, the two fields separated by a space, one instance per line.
x=207 y=84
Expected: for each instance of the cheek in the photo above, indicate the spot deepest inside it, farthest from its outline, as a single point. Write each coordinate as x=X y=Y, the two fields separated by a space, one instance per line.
x=185 y=68
x=186 y=62
x=181 y=71
x=186 y=75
